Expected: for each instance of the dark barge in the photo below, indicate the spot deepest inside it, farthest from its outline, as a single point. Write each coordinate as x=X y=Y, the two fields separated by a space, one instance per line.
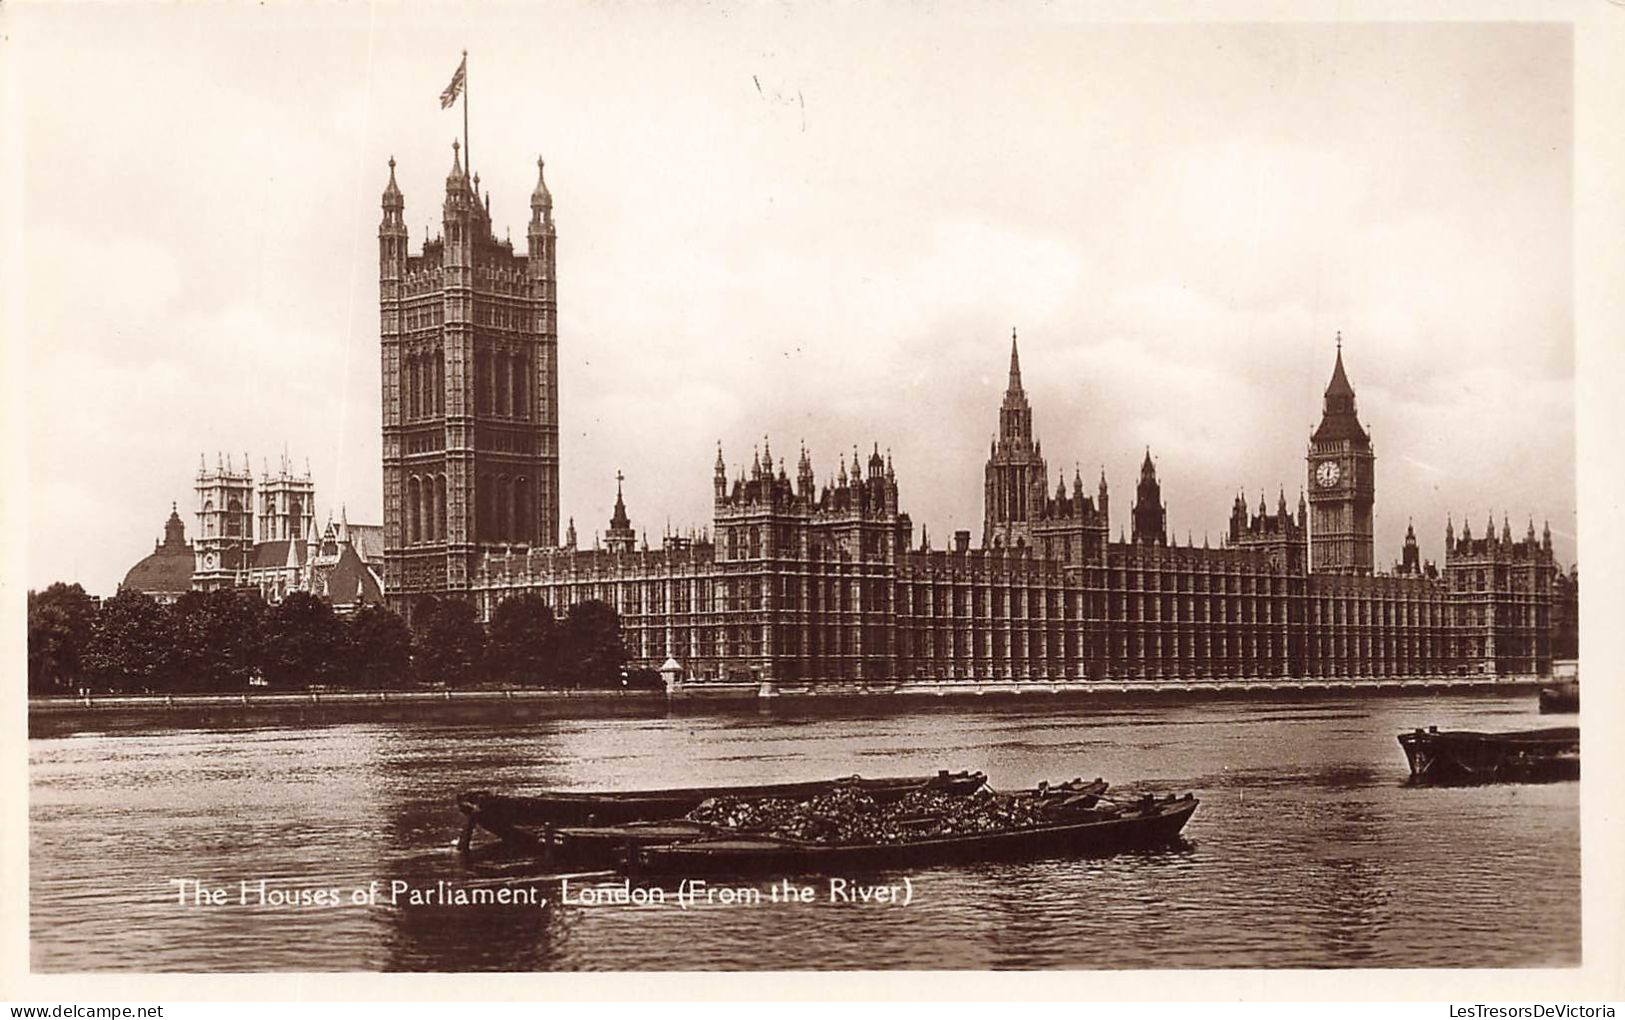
x=1461 y=757
x=1146 y=824
x=529 y=818
x=839 y=825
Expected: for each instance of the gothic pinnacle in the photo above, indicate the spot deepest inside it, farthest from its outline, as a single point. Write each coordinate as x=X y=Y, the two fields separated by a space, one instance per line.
x=391 y=190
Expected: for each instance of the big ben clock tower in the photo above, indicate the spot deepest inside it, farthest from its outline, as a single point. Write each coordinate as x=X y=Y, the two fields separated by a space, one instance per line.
x=1342 y=483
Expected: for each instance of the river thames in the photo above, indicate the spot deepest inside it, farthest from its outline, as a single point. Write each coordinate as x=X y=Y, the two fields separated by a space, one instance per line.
x=1307 y=851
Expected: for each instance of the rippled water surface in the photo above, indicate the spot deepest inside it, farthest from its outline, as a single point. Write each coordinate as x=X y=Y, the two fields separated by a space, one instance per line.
x=1307 y=850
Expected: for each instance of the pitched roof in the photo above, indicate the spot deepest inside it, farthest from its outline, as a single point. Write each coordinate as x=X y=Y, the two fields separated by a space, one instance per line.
x=368 y=540
x=350 y=581
x=1339 y=386
x=1339 y=419
x=1340 y=426
x=275 y=554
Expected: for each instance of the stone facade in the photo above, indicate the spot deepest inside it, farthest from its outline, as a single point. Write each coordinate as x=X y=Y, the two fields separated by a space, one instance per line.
x=800 y=583
x=469 y=349
x=1342 y=484
x=263 y=535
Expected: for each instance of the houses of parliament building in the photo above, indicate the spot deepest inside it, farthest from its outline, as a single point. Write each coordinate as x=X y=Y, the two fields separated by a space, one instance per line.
x=797 y=582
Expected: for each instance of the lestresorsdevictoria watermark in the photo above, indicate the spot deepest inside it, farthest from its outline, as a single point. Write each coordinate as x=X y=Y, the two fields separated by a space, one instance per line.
x=1533 y=1011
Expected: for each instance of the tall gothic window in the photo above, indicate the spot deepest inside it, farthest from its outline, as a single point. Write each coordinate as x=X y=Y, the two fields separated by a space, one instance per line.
x=234 y=517
x=521 y=510
x=429 y=517
x=503 y=376
x=521 y=372
x=414 y=520
x=416 y=385
x=440 y=507
x=420 y=375
x=439 y=382
x=504 y=508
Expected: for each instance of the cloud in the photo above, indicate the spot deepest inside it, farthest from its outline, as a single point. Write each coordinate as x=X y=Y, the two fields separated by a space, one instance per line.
x=1178 y=220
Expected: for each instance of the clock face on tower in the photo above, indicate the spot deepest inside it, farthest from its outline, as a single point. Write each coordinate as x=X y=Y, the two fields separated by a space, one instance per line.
x=1328 y=473
x=209 y=560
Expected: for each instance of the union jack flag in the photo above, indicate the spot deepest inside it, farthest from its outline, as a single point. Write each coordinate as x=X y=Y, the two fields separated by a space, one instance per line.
x=455 y=89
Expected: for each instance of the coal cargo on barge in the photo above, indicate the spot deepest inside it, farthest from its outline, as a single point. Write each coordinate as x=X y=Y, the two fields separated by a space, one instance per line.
x=525 y=817
x=846 y=825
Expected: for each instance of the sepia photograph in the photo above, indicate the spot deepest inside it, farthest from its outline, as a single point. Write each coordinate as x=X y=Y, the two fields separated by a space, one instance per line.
x=752 y=488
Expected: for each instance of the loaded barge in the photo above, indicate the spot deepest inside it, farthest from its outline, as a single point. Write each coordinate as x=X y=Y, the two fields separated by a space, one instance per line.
x=528 y=818
x=825 y=826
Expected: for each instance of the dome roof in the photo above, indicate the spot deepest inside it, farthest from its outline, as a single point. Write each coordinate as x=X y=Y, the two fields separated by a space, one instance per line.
x=169 y=569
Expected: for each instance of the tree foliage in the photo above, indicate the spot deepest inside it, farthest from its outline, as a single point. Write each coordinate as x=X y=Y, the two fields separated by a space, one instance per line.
x=524 y=642
x=61 y=621
x=592 y=653
x=450 y=641
x=219 y=639
x=305 y=643
x=132 y=647
x=380 y=647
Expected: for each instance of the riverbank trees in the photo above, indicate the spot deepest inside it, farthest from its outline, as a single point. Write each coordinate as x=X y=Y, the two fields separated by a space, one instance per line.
x=61 y=620
x=230 y=640
x=449 y=643
x=525 y=639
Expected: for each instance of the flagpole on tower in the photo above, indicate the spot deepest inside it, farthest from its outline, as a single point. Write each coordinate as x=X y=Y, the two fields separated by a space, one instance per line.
x=468 y=154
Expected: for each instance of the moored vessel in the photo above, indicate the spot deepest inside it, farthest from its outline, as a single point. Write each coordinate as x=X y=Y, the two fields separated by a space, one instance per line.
x=1145 y=824
x=529 y=817
x=1560 y=698
x=1459 y=757
x=843 y=825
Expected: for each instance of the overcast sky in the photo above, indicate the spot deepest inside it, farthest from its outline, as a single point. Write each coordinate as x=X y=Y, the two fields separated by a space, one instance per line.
x=817 y=226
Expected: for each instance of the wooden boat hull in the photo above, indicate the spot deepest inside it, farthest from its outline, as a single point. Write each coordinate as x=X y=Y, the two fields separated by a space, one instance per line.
x=1154 y=826
x=1463 y=757
x=521 y=818
x=612 y=846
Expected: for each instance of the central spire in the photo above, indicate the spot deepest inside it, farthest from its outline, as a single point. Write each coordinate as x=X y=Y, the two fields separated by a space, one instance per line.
x=1015 y=414
x=1339 y=419
x=1339 y=385
x=1015 y=364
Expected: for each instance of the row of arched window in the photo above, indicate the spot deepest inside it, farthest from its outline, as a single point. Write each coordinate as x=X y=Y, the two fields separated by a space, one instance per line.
x=233 y=521
x=501 y=383
x=504 y=509
x=426 y=509
x=424 y=384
